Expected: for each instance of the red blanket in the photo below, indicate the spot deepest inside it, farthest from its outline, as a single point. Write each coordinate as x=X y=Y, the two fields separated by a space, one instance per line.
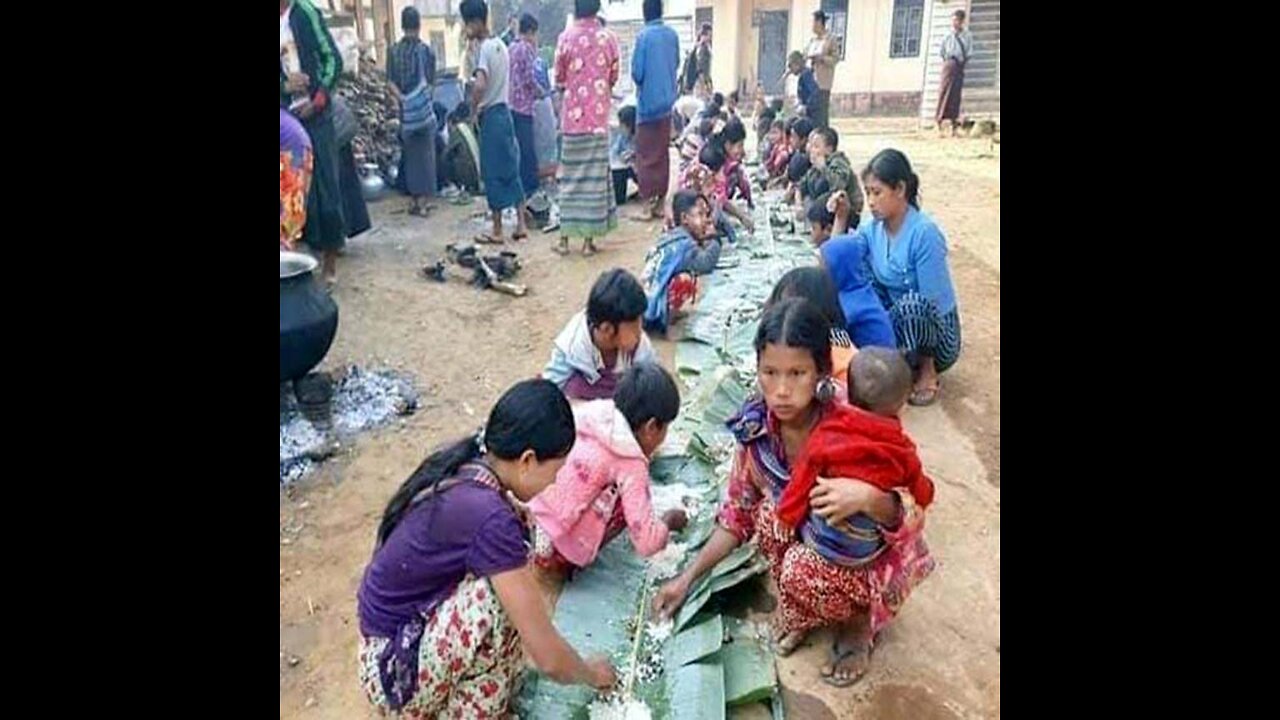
x=852 y=443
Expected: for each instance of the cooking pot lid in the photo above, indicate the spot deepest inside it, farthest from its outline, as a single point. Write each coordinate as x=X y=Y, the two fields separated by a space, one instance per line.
x=293 y=264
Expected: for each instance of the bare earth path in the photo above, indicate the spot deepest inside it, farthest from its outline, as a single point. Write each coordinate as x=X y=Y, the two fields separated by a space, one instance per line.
x=940 y=660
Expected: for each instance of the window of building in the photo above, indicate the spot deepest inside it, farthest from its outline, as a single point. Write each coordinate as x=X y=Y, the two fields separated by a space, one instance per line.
x=908 y=19
x=837 y=21
x=701 y=15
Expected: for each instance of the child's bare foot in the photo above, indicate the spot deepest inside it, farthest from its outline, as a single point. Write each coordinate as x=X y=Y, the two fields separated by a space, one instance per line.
x=787 y=641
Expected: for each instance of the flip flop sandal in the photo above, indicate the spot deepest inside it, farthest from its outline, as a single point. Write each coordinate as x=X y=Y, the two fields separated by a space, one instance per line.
x=926 y=397
x=486 y=239
x=838 y=656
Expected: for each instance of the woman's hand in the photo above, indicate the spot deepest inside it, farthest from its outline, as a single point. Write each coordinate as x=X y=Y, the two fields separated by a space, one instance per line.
x=838 y=499
x=670 y=597
x=603 y=676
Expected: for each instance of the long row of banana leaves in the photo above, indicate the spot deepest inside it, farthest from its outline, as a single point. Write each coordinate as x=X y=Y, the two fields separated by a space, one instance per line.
x=708 y=661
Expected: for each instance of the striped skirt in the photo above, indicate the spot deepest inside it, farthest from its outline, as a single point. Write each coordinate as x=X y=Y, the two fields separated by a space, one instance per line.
x=922 y=330
x=587 y=208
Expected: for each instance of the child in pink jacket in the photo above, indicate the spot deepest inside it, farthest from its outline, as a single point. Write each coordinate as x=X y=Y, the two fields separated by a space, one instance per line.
x=604 y=485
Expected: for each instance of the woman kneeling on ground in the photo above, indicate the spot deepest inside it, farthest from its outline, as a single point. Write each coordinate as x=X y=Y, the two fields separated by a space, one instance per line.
x=906 y=262
x=449 y=596
x=817 y=585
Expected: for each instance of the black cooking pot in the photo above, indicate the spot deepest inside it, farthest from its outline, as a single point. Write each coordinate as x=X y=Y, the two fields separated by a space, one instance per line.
x=308 y=317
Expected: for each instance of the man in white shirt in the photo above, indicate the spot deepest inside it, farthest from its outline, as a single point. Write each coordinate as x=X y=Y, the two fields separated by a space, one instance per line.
x=956 y=49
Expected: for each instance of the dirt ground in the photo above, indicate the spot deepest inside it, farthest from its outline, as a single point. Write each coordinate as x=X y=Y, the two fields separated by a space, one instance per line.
x=941 y=658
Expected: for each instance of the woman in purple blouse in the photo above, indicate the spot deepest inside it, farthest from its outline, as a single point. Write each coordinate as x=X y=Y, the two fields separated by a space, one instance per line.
x=449 y=597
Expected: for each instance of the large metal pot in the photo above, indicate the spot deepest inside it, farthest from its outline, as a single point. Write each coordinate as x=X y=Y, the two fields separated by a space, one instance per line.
x=308 y=316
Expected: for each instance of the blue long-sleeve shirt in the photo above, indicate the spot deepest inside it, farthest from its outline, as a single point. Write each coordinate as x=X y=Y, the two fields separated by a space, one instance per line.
x=807 y=88
x=655 y=63
x=915 y=261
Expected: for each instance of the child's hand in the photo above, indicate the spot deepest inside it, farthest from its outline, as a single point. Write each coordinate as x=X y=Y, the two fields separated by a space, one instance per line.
x=838 y=204
x=602 y=675
x=675 y=519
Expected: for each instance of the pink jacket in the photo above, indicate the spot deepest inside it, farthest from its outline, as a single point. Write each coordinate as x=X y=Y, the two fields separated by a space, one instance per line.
x=605 y=467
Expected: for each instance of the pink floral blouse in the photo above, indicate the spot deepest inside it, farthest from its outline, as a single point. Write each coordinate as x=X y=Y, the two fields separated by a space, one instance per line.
x=587 y=61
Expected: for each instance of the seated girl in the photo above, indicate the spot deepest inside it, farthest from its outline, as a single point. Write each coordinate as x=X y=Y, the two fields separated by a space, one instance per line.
x=604 y=486
x=452 y=561
x=707 y=176
x=793 y=351
x=906 y=263
x=814 y=284
x=622 y=153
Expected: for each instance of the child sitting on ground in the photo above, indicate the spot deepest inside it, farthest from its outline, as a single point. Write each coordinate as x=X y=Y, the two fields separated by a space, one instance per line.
x=707 y=177
x=604 y=485
x=461 y=155
x=672 y=266
x=734 y=137
x=780 y=153
x=687 y=110
x=864 y=440
x=798 y=165
x=695 y=136
x=831 y=172
x=601 y=342
x=770 y=139
x=622 y=151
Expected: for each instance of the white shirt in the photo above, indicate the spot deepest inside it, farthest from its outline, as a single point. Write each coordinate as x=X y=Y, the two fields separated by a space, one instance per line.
x=288 y=48
x=689 y=106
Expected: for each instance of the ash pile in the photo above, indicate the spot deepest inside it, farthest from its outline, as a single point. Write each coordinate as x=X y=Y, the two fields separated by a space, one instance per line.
x=316 y=413
x=377 y=139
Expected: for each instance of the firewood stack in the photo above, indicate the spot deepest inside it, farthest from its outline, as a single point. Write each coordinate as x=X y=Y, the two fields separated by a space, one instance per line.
x=377 y=141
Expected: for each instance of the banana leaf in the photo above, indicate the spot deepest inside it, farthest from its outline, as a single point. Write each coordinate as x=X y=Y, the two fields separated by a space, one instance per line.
x=721 y=577
x=739 y=347
x=694 y=357
x=591 y=615
x=724 y=399
x=749 y=671
x=695 y=643
x=696 y=691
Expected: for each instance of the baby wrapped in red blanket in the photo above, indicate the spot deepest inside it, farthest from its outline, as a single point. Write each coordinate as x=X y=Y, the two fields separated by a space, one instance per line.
x=865 y=442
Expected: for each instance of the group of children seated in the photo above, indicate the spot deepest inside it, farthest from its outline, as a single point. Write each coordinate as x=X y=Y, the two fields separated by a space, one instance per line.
x=624 y=402
x=710 y=177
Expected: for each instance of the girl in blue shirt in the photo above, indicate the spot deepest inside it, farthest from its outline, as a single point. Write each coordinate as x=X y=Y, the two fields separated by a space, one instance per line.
x=906 y=261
